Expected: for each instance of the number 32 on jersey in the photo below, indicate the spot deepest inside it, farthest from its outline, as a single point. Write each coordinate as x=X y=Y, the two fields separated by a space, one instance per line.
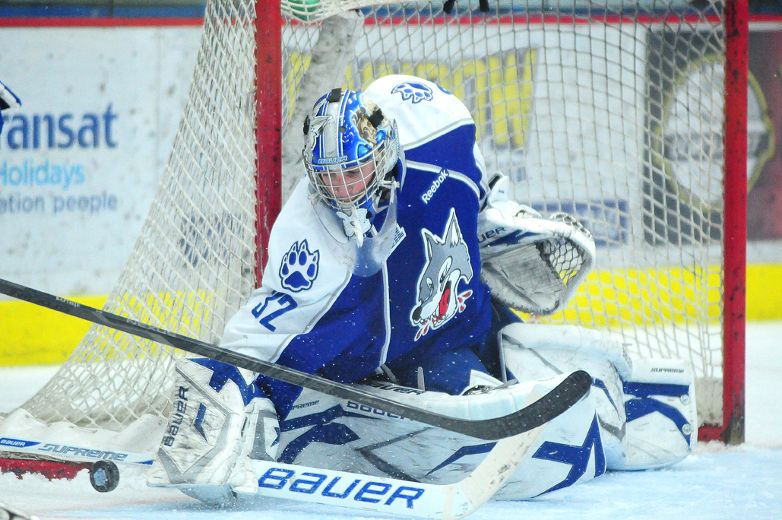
x=271 y=308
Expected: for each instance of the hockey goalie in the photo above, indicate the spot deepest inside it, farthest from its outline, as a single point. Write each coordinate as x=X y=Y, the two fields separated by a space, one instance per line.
x=395 y=265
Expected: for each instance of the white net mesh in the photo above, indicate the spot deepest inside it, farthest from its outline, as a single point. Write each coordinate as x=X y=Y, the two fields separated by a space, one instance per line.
x=609 y=111
x=193 y=262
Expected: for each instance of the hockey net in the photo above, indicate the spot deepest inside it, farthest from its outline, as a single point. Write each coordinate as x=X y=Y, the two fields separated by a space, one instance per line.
x=610 y=111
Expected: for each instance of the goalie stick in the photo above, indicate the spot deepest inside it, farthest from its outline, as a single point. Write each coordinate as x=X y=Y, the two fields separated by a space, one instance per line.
x=390 y=496
x=567 y=393
x=381 y=495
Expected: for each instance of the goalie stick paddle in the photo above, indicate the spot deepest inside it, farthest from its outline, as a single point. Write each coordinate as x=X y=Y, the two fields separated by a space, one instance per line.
x=380 y=495
x=558 y=400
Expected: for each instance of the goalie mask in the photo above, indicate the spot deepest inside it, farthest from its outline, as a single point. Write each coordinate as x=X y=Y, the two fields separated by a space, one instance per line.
x=354 y=163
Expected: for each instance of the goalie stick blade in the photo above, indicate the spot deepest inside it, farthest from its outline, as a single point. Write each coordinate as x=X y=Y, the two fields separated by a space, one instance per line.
x=567 y=393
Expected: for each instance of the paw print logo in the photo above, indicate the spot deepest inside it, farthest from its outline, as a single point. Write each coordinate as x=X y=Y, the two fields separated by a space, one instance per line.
x=299 y=267
x=414 y=92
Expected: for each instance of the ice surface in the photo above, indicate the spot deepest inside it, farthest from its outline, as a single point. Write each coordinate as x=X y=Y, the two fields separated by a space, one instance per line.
x=716 y=482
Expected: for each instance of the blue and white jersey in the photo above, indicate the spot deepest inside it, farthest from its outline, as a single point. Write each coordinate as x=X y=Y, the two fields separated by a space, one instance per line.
x=313 y=314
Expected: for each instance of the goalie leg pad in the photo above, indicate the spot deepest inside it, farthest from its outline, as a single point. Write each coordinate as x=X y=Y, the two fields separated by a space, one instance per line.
x=662 y=423
x=646 y=408
x=220 y=420
x=323 y=431
x=533 y=351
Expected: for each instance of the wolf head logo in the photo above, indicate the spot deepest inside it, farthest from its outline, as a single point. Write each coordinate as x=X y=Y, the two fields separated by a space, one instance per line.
x=447 y=264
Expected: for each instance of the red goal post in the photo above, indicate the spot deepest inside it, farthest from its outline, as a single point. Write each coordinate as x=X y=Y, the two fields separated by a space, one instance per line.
x=731 y=430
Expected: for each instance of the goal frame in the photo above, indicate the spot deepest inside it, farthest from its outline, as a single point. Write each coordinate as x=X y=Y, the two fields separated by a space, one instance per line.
x=731 y=431
x=269 y=81
x=268 y=127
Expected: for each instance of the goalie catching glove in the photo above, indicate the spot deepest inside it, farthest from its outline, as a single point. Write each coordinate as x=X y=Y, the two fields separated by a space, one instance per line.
x=529 y=262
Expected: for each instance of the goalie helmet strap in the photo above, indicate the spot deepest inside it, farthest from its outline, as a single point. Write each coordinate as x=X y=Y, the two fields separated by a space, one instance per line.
x=335 y=95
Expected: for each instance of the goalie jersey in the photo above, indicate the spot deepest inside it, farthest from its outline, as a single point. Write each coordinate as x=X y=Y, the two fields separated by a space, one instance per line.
x=427 y=301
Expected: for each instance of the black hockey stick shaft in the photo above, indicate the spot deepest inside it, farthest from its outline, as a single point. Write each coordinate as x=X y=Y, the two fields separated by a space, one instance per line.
x=562 y=397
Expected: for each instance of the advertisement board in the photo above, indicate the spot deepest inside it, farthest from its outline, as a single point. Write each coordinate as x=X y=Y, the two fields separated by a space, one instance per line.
x=80 y=160
x=764 y=125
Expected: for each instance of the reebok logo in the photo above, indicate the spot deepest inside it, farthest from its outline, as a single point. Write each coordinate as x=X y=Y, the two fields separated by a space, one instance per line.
x=428 y=194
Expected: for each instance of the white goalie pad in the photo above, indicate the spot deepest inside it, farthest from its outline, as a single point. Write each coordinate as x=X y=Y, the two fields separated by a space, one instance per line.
x=594 y=435
x=662 y=420
x=646 y=407
x=335 y=434
x=531 y=263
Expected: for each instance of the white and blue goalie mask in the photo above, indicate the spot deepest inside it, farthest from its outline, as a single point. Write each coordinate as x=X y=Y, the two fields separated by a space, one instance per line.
x=353 y=161
x=350 y=153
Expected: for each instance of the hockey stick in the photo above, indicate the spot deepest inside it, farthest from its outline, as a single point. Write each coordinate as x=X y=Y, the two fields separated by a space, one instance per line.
x=381 y=495
x=537 y=413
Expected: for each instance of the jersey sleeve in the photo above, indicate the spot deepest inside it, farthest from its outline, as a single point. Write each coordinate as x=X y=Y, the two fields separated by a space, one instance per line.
x=311 y=312
x=300 y=282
